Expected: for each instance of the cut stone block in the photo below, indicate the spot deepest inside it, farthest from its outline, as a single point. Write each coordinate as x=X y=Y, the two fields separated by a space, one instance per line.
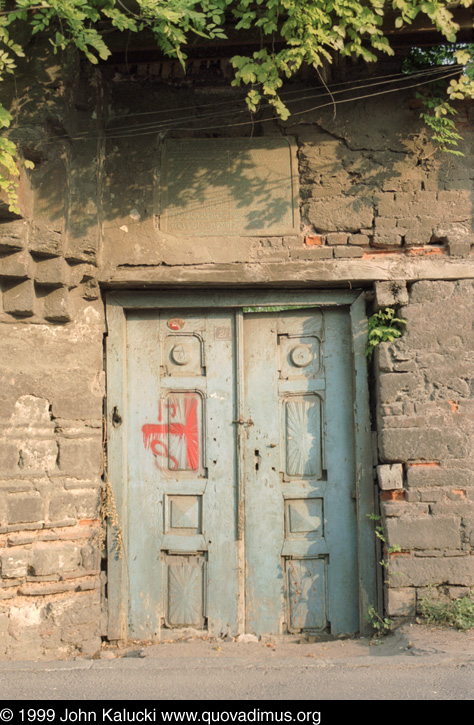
x=428 y=532
x=390 y=477
x=336 y=238
x=359 y=240
x=401 y=602
x=46 y=242
x=52 y=559
x=57 y=307
x=20 y=299
x=312 y=253
x=81 y=457
x=24 y=508
x=13 y=236
x=52 y=272
x=16 y=265
x=339 y=214
x=459 y=247
x=39 y=454
x=387 y=239
x=346 y=252
x=388 y=294
x=428 y=571
x=14 y=563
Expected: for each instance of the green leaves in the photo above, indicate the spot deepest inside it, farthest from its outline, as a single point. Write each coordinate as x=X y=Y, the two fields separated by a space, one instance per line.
x=309 y=32
x=313 y=32
x=383 y=326
x=381 y=624
x=436 y=117
x=8 y=162
x=5 y=117
x=458 y=613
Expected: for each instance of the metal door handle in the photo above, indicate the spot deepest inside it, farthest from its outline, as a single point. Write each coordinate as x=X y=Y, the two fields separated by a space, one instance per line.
x=241 y=421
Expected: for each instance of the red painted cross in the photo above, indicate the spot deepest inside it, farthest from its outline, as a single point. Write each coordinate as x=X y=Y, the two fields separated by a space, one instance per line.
x=180 y=433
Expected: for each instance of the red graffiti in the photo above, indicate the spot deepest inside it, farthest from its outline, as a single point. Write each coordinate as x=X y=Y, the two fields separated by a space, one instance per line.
x=176 y=440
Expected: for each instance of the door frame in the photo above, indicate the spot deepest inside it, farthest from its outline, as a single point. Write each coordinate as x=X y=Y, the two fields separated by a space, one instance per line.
x=117 y=305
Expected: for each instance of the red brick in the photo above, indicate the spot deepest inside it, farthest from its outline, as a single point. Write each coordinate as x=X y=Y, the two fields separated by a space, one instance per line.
x=312 y=241
x=393 y=495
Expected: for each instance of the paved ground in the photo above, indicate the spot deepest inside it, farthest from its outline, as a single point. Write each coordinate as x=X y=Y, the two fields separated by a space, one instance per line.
x=414 y=662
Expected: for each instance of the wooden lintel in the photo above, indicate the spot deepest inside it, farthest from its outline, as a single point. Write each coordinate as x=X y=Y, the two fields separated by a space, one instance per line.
x=337 y=273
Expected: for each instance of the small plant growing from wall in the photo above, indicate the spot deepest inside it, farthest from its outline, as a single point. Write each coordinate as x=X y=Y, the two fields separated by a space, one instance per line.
x=383 y=326
x=458 y=613
x=381 y=624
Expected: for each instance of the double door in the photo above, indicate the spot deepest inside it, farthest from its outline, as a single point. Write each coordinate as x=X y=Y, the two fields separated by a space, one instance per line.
x=238 y=479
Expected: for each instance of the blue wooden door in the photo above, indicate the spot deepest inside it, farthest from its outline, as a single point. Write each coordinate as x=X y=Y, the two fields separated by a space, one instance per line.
x=300 y=524
x=181 y=545
x=239 y=471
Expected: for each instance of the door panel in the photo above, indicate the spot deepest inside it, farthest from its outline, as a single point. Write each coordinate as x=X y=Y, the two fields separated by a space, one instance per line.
x=301 y=556
x=240 y=469
x=181 y=470
x=306 y=594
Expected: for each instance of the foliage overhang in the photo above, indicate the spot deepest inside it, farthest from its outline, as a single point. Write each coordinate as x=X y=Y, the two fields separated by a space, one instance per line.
x=291 y=33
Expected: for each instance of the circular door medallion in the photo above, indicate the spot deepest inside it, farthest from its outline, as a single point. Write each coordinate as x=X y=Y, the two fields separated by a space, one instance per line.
x=181 y=354
x=301 y=356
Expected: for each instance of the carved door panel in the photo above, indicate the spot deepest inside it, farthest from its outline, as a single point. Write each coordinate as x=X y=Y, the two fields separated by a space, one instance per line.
x=181 y=461
x=300 y=523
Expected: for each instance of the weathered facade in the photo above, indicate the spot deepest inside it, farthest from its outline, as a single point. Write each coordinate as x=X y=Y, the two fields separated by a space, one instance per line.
x=362 y=206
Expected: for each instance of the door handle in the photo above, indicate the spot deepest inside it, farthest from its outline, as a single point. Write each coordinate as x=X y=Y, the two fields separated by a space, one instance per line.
x=241 y=421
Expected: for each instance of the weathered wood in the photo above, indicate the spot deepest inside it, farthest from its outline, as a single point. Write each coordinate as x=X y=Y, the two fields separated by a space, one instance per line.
x=116 y=491
x=226 y=524
x=363 y=465
x=346 y=273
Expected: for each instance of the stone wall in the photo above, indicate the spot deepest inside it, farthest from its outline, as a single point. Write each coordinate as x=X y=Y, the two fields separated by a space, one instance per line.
x=50 y=484
x=425 y=427
x=368 y=188
x=380 y=211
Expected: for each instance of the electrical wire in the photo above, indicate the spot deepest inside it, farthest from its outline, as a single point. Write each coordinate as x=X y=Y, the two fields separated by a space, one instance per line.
x=286 y=94
x=155 y=127
x=158 y=124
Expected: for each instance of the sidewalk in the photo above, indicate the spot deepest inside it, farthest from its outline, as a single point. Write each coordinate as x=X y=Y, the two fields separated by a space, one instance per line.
x=405 y=642
x=413 y=662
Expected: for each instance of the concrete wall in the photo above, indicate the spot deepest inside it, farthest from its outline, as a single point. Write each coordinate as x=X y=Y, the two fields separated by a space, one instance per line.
x=379 y=211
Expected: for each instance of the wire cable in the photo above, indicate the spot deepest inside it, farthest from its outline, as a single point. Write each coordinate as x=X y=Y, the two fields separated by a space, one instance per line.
x=150 y=128
x=377 y=80
x=146 y=129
